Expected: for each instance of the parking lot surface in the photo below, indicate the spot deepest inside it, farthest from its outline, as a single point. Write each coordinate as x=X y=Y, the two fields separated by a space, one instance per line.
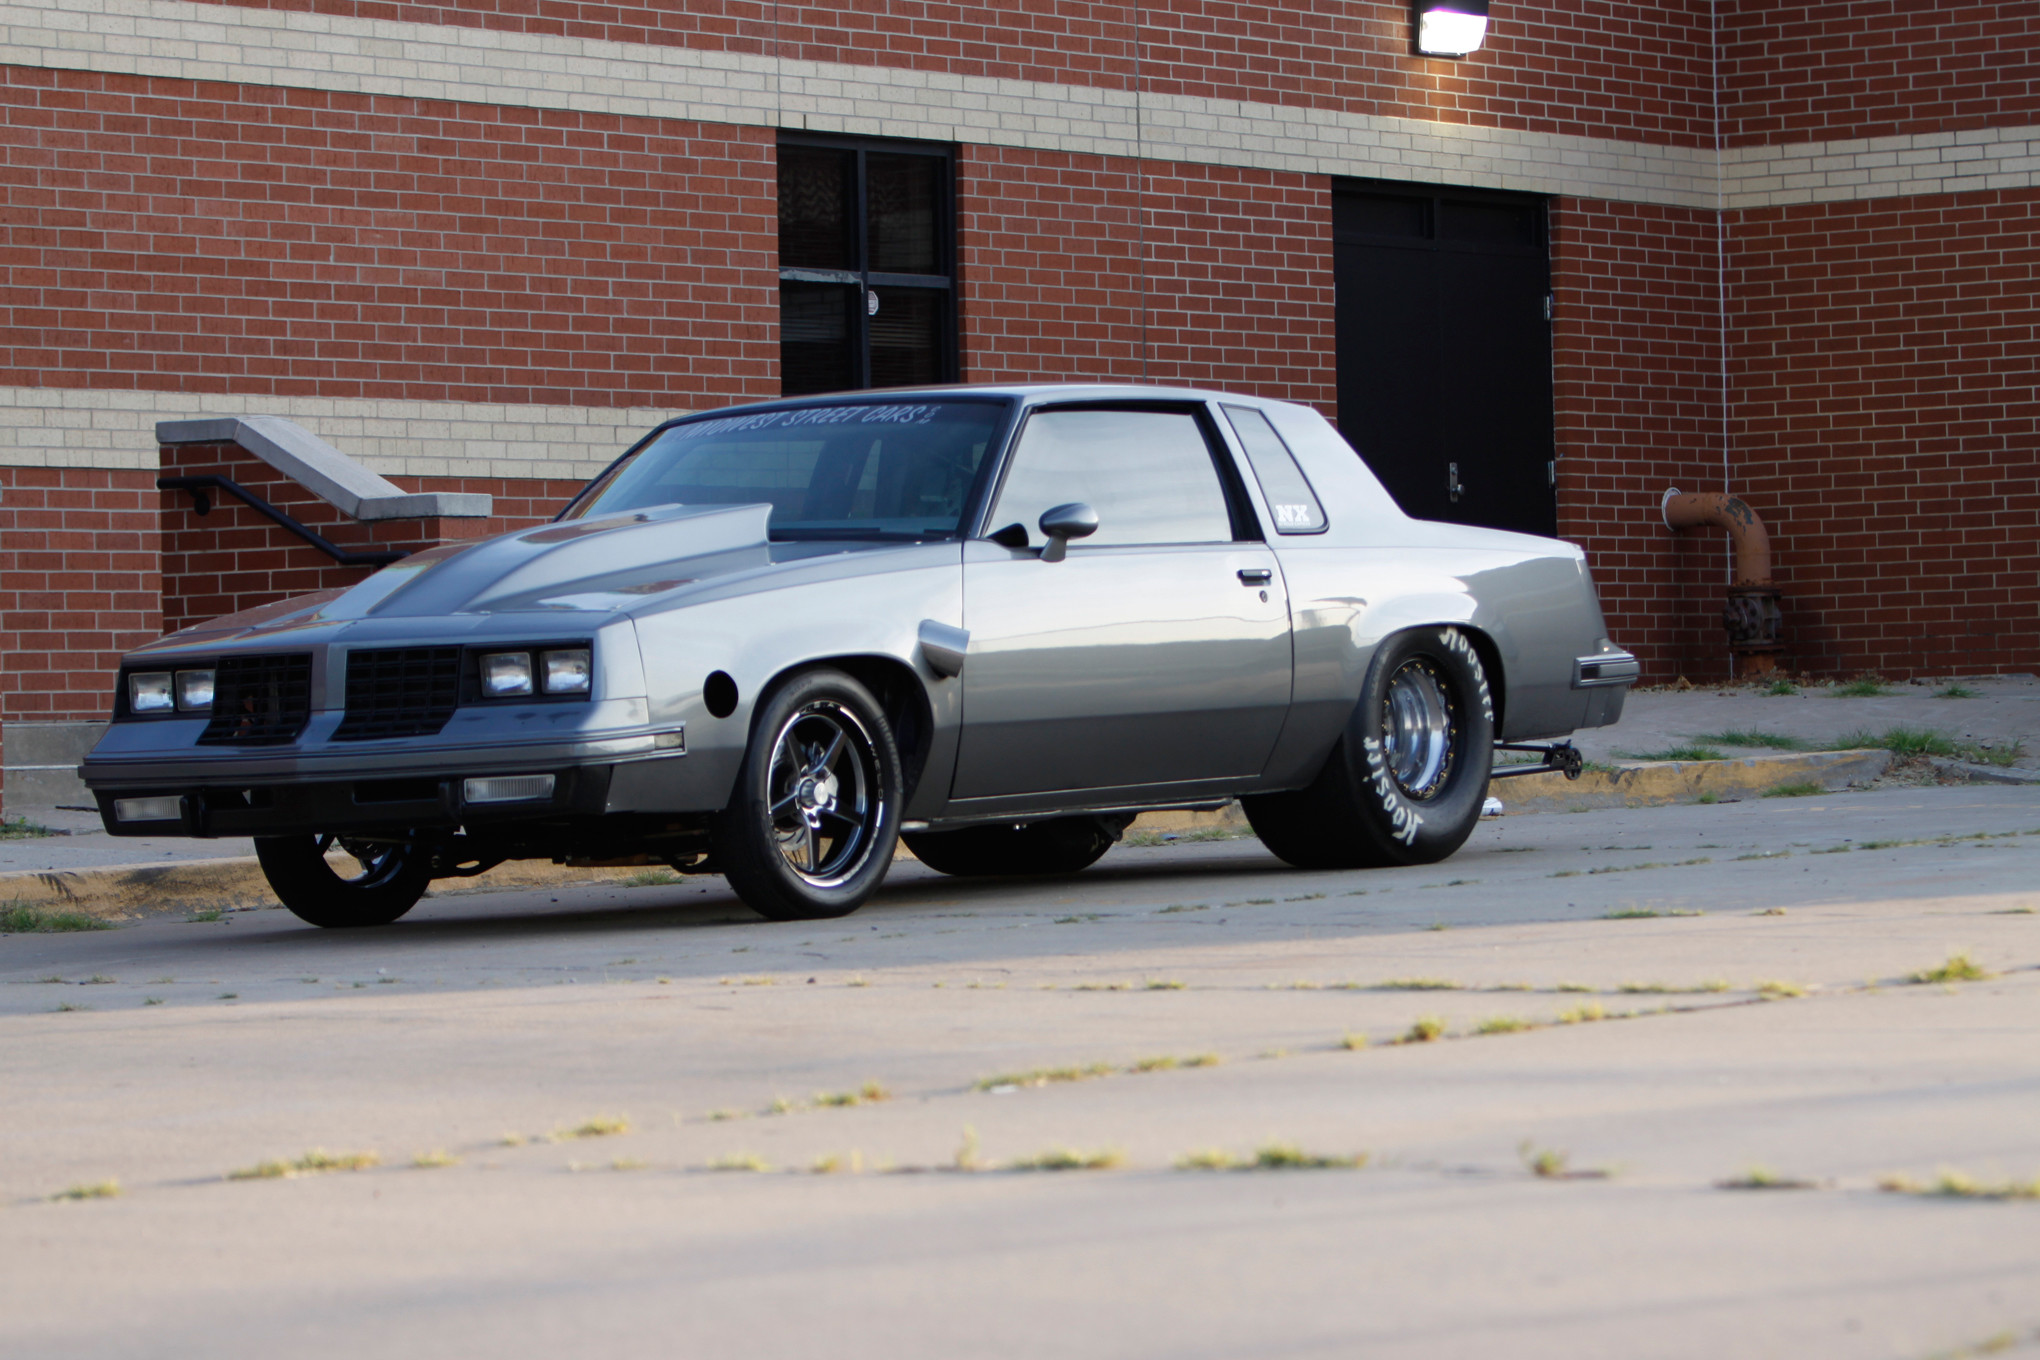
x=636 y=1120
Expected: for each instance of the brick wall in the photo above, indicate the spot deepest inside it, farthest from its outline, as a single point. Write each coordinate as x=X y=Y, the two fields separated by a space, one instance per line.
x=1887 y=426
x=1847 y=69
x=248 y=239
x=1634 y=71
x=1636 y=355
x=1238 y=286
x=79 y=584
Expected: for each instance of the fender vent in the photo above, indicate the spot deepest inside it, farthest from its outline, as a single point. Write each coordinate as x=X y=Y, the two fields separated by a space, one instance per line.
x=259 y=700
x=399 y=692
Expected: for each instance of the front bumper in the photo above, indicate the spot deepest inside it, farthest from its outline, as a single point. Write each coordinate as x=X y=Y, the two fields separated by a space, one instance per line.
x=365 y=807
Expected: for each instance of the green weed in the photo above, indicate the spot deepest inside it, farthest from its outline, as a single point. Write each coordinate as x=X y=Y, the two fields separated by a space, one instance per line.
x=1953 y=1184
x=1581 y=1015
x=1502 y=1024
x=1862 y=687
x=1070 y=1159
x=649 y=878
x=435 y=1158
x=1427 y=1029
x=1353 y=1043
x=1290 y=1157
x=1776 y=989
x=1958 y=968
x=1749 y=736
x=1419 y=984
x=106 y=1189
x=312 y=1163
x=1764 y=1178
x=601 y=1126
x=740 y=1161
x=23 y=918
x=1955 y=692
x=1798 y=788
x=1043 y=1076
x=1687 y=751
x=1779 y=688
x=22 y=829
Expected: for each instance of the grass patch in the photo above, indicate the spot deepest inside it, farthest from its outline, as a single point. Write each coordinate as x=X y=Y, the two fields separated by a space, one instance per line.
x=1687 y=751
x=435 y=1158
x=1502 y=1024
x=1161 y=1063
x=1554 y=1164
x=208 y=915
x=1644 y=914
x=1044 y=1076
x=1780 y=688
x=1070 y=1159
x=1764 y=1178
x=1583 y=1015
x=1958 y=968
x=1955 y=692
x=1427 y=1029
x=1419 y=985
x=1953 y=1184
x=740 y=1161
x=1207 y=1159
x=1862 y=687
x=1202 y=1060
x=601 y=1126
x=1290 y=1157
x=1667 y=989
x=22 y=918
x=313 y=1163
x=22 y=829
x=1749 y=736
x=871 y=1093
x=106 y=1189
x=1798 y=788
x=837 y=1163
x=650 y=878
x=1162 y=985
x=1777 y=989
x=1353 y=1043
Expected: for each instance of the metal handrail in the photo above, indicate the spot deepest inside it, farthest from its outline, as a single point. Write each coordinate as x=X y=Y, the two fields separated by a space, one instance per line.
x=202 y=506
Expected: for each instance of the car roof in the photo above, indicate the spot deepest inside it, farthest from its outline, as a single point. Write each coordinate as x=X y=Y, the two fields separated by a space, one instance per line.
x=1028 y=392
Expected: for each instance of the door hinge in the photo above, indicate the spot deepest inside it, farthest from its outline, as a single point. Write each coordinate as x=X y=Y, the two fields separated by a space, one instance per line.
x=1547 y=307
x=1551 y=472
x=1452 y=486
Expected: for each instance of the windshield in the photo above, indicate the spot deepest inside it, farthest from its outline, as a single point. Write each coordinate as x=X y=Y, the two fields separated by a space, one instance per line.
x=862 y=470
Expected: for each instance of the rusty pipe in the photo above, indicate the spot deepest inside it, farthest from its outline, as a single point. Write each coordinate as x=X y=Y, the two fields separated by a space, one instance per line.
x=1700 y=509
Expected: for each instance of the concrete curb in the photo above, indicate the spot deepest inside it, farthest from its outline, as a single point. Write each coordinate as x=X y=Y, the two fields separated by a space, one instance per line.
x=1654 y=783
x=1984 y=774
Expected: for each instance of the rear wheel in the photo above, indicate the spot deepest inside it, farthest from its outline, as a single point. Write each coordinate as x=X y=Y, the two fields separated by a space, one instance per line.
x=811 y=830
x=1405 y=782
x=1060 y=845
x=385 y=880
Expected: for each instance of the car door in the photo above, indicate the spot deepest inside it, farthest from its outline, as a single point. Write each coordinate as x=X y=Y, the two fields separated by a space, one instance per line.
x=1155 y=656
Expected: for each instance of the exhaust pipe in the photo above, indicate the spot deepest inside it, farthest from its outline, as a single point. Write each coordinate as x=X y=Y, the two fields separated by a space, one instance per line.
x=1753 y=614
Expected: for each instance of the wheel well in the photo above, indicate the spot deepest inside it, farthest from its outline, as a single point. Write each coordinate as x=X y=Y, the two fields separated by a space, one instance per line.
x=900 y=697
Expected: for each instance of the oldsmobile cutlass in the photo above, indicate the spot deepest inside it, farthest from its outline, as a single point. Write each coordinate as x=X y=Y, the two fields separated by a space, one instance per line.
x=772 y=641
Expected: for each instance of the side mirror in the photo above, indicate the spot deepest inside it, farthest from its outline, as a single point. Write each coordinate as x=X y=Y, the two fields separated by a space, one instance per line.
x=1061 y=523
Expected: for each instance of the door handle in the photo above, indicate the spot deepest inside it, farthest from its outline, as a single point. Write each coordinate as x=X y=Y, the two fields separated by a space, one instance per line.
x=1255 y=576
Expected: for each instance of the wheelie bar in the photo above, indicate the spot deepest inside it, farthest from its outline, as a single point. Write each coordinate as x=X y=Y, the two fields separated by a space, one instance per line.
x=1563 y=757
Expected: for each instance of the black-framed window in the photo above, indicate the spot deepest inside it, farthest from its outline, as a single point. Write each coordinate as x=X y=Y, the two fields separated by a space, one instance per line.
x=867 y=263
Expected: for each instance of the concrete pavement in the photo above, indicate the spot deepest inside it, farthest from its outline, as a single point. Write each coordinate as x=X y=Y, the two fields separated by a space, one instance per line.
x=537 y=1014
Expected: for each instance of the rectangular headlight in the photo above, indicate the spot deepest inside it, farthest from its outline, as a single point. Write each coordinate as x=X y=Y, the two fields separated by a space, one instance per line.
x=166 y=808
x=567 y=671
x=150 y=692
x=506 y=675
x=507 y=788
x=194 y=691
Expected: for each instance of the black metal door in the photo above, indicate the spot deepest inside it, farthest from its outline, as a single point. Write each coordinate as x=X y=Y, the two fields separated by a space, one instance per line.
x=1444 y=334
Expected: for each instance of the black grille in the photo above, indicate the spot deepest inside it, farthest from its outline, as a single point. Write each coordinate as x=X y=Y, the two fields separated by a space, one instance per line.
x=400 y=692
x=259 y=700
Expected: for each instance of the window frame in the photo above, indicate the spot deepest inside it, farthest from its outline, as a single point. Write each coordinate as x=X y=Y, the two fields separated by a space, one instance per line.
x=949 y=359
x=1245 y=523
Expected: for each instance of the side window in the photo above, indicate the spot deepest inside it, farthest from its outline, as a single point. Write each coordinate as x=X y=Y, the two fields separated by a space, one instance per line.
x=1148 y=474
x=1290 y=499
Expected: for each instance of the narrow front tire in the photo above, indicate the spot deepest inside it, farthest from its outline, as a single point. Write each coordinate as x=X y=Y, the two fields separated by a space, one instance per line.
x=390 y=878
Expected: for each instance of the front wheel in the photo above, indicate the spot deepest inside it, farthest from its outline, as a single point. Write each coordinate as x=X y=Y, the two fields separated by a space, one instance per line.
x=1405 y=782
x=388 y=879
x=811 y=830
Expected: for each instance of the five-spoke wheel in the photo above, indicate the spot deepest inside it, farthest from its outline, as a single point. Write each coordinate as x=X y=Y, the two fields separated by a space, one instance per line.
x=811 y=830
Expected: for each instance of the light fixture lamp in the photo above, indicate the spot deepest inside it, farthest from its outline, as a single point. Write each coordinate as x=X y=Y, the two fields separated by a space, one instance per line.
x=1450 y=28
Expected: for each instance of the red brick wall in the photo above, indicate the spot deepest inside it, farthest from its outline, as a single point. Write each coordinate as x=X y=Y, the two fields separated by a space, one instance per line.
x=1634 y=71
x=79 y=584
x=1238 y=289
x=1636 y=355
x=1872 y=68
x=166 y=235
x=1887 y=426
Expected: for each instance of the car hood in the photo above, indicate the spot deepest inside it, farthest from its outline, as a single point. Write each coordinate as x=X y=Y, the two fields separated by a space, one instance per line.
x=614 y=565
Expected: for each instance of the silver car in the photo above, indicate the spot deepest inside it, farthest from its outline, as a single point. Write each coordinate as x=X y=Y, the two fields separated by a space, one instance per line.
x=771 y=642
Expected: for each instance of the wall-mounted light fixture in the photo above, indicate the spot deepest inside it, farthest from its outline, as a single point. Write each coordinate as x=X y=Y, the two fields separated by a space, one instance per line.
x=1450 y=28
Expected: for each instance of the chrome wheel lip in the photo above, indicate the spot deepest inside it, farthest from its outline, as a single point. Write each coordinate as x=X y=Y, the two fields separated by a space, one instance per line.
x=1419 y=728
x=823 y=785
